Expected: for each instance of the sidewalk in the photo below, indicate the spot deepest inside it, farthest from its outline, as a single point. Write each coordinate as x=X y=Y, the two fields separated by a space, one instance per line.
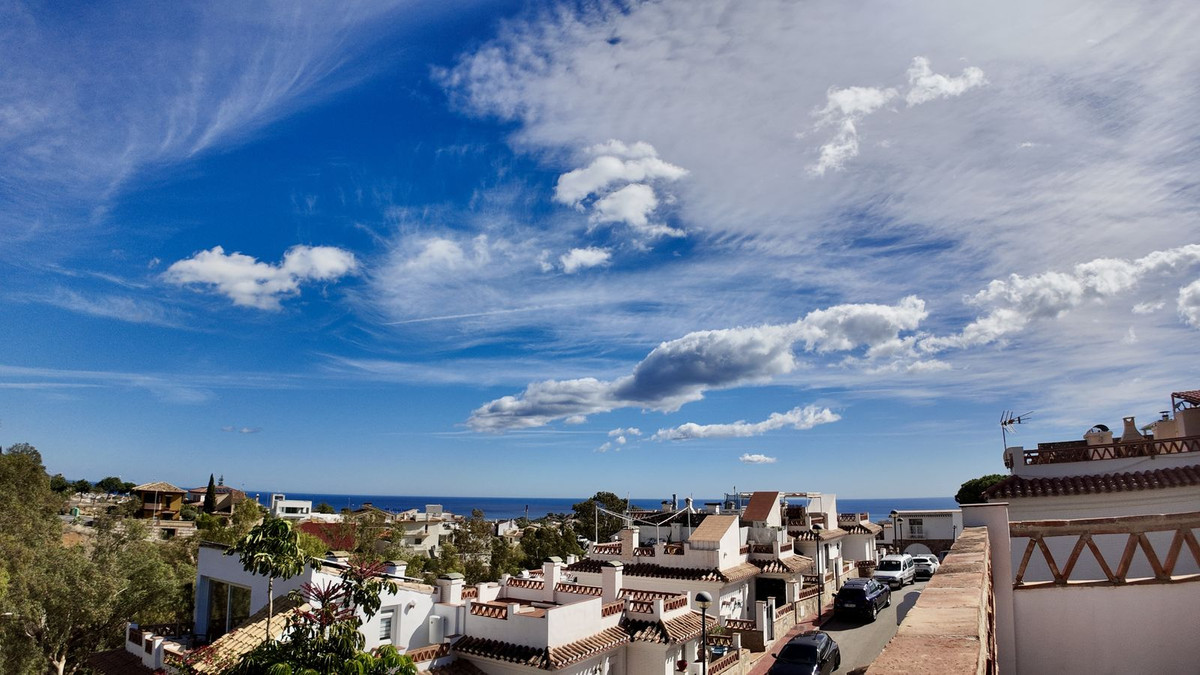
x=764 y=660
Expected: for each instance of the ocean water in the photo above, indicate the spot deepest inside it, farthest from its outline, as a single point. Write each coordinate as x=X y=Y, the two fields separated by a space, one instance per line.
x=503 y=508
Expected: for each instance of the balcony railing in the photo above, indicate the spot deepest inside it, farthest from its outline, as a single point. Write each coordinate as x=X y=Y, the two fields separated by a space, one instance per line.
x=1136 y=529
x=1055 y=453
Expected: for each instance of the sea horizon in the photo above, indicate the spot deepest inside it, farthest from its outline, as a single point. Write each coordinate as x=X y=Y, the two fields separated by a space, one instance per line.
x=505 y=508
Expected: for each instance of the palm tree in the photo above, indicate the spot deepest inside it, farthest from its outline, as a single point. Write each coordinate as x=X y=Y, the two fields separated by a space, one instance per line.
x=272 y=549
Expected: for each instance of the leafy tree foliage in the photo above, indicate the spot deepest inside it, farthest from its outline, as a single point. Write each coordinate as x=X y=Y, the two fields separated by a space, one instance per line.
x=60 y=484
x=547 y=540
x=505 y=558
x=324 y=507
x=604 y=526
x=81 y=486
x=111 y=484
x=971 y=491
x=62 y=603
x=473 y=539
x=326 y=638
x=272 y=549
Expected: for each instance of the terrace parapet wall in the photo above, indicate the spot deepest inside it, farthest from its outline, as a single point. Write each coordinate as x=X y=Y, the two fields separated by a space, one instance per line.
x=952 y=628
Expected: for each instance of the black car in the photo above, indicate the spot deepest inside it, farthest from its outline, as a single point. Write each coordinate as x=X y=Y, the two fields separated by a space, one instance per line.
x=812 y=653
x=862 y=597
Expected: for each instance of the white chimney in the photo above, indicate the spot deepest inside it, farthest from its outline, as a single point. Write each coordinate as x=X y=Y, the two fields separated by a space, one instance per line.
x=612 y=580
x=450 y=587
x=551 y=573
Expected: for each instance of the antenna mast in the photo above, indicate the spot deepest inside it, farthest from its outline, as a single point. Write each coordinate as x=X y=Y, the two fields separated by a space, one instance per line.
x=1008 y=420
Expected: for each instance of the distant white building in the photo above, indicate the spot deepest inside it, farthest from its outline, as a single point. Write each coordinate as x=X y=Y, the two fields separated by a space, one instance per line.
x=915 y=531
x=291 y=509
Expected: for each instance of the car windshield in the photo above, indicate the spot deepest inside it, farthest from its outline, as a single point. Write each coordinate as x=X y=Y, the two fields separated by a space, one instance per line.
x=852 y=593
x=799 y=653
x=890 y=565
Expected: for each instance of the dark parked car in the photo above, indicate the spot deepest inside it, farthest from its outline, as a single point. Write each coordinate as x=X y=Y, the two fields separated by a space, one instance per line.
x=862 y=597
x=813 y=653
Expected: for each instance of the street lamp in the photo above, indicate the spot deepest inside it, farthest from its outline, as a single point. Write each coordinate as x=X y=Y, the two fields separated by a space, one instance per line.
x=899 y=531
x=703 y=601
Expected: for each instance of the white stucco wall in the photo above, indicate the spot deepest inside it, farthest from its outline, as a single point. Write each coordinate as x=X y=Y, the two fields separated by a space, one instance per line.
x=410 y=610
x=212 y=563
x=1108 y=629
x=1112 y=504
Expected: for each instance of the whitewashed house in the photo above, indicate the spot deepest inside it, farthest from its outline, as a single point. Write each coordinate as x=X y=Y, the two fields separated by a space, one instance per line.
x=291 y=509
x=916 y=531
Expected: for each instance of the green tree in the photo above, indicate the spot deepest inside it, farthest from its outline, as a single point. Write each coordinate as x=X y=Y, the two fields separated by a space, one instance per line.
x=327 y=638
x=210 y=496
x=324 y=507
x=505 y=558
x=608 y=525
x=548 y=540
x=272 y=549
x=971 y=491
x=60 y=484
x=312 y=545
x=62 y=603
x=110 y=484
x=81 y=486
x=473 y=539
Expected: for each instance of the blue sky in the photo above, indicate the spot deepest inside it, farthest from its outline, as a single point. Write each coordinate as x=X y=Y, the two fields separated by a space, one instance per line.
x=523 y=249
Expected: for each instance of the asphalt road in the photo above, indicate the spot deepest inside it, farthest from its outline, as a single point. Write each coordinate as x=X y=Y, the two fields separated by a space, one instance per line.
x=862 y=641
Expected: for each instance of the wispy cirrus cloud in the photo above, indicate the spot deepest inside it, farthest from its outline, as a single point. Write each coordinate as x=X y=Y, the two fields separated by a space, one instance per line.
x=799 y=418
x=74 y=130
x=251 y=283
x=241 y=430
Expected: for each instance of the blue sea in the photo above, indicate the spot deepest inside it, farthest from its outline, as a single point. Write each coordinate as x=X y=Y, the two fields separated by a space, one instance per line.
x=503 y=508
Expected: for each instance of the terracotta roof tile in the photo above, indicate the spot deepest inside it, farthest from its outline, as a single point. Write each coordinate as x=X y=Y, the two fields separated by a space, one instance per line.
x=1018 y=486
x=231 y=646
x=790 y=565
x=159 y=486
x=544 y=658
x=713 y=527
x=863 y=527
x=117 y=662
x=760 y=506
x=455 y=667
x=661 y=572
x=813 y=535
x=1192 y=396
x=672 y=631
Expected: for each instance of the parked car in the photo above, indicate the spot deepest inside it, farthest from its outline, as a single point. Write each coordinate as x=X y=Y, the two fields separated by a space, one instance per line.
x=862 y=597
x=927 y=565
x=896 y=570
x=812 y=653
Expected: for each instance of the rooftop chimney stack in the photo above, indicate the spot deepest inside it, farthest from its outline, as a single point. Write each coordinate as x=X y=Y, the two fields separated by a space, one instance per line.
x=1131 y=433
x=612 y=579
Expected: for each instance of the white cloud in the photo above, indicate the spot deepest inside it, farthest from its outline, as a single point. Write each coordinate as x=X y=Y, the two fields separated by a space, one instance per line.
x=801 y=418
x=618 y=186
x=583 y=258
x=631 y=431
x=1189 y=304
x=1014 y=302
x=926 y=85
x=845 y=107
x=682 y=370
x=1148 y=307
x=756 y=458
x=241 y=430
x=251 y=283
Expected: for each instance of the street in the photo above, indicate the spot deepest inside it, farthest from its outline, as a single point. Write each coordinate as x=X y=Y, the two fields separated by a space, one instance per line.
x=860 y=641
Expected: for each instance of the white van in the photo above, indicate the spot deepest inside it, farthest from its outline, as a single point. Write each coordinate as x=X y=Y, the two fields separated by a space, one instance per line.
x=896 y=570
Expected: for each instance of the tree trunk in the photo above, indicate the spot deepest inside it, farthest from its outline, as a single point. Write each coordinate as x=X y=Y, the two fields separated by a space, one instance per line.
x=270 y=605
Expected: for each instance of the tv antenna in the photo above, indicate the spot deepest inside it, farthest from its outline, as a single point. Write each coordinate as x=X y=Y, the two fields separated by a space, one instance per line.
x=1008 y=422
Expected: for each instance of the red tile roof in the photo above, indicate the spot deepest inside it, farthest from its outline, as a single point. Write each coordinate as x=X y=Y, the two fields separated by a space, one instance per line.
x=672 y=631
x=824 y=535
x=159 y=486
x=790 y=565
x=1018 y=486
x=338 y=536
x=712 y=528
x=863 y=527
x=117 y=662
x=549 y=658
x=760 y=506
x=1192 y=396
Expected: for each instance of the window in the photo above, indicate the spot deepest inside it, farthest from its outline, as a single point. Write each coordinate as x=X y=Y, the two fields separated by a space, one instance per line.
x=916 y=528
x=228 y=607
x=385 y=626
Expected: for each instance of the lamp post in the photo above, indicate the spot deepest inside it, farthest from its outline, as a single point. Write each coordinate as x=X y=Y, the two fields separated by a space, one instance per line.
x=899 y=531
x=820 y=572
x=703 y=601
